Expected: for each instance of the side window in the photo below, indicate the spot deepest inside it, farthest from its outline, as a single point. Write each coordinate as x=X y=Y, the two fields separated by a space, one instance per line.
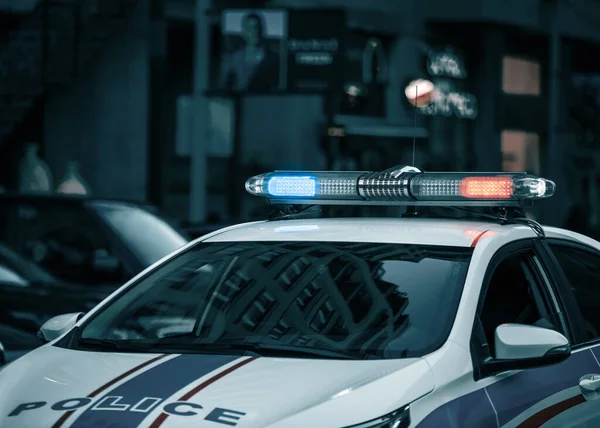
x=66 y=240
x=517 y=294
x=582 y=269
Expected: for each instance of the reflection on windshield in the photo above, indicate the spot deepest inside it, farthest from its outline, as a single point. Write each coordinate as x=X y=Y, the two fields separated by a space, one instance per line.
x=381 y=300
x=148 y=236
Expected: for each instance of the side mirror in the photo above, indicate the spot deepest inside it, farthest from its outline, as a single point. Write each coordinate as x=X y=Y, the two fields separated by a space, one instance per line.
x=2 y=355
x=57 y=326
x=519 y=347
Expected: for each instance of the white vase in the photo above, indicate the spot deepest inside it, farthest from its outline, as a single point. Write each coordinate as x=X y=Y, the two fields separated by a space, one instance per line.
x=72 y=182
x=34 y=174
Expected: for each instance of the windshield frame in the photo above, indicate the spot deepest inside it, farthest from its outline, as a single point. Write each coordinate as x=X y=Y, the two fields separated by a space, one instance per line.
x=69 y=340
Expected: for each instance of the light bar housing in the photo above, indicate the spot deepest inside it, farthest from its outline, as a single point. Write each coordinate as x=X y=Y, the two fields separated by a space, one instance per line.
x=402 y=185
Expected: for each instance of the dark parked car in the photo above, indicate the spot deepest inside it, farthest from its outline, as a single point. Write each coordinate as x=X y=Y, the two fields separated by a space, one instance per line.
x=15 y=343
x=30 y=295
x=86 y=240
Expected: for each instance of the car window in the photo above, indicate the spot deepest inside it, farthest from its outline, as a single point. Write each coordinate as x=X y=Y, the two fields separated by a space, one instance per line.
x=383 y=300
x=516 y=294
x=64 y=239
x=149 y=237
x=582 y=270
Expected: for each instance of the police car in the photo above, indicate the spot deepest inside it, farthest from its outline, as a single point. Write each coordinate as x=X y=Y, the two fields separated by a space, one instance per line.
x=417 y=321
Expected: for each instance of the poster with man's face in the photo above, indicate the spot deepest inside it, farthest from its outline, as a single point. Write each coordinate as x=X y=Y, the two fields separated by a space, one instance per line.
x=253 y=56
x=263 y=51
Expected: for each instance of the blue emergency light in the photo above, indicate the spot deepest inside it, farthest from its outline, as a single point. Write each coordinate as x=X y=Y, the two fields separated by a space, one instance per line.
x=402 y=185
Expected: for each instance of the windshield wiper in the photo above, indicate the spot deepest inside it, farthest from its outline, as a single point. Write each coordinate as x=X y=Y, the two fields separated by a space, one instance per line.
x=111 y=344
x=257 y=349
x=172 y=343
x=303 y=351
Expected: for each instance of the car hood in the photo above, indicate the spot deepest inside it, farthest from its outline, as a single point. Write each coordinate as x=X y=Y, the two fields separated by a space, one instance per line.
x=58 y=387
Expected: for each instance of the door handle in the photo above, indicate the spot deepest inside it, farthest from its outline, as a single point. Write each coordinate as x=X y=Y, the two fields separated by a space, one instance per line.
x=590 y=386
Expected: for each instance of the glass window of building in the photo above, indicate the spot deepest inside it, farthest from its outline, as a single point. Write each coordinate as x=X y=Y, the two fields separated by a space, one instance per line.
x=521 y=76
x=521 y=152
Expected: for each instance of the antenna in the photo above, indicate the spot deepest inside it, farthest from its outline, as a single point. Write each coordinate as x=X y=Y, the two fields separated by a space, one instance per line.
x=415 y=125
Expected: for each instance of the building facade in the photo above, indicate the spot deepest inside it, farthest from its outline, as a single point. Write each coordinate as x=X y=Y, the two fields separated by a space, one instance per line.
x=145 y=119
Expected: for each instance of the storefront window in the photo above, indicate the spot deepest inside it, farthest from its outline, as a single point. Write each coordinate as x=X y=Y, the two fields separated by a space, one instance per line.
x=520 y=152
x=520 y=76
x=365 y=74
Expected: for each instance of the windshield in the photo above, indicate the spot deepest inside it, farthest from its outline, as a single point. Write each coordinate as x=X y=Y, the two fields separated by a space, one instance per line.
x=356 y=299
x=149 y=237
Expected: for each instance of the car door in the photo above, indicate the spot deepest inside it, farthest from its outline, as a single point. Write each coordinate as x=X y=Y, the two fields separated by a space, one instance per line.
x=519 y=288
x=579 y=267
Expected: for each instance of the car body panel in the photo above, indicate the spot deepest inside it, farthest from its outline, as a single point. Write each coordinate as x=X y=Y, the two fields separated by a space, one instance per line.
x=554 y=232
x=405 y=231
x=511 y=399
x=282 y=392
x=269 y=391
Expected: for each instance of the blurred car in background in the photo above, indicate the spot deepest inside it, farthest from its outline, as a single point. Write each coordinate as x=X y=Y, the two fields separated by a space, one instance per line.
x=64 y=253
x=15 y=343
x=31 y=295
x=86 y=240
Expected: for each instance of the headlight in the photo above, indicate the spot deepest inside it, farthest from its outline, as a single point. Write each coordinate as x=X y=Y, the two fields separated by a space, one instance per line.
x=397 y=419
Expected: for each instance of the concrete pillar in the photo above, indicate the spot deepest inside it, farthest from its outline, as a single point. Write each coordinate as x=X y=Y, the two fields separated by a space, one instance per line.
x=158 y=151
x=487 y=143
x=406 y=60
x=556 y=209
x=201 y=115
x=101 y=119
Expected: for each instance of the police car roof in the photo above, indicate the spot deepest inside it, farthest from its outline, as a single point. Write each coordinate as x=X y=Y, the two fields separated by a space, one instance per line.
x=445 y=232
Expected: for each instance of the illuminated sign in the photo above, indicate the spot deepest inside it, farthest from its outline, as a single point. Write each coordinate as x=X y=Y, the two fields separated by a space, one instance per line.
x=446 y=64
x=440 y=96
x=459 y=104
x=313 y=51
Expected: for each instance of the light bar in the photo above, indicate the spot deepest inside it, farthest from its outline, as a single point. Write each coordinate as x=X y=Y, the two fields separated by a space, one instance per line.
x=399 y=186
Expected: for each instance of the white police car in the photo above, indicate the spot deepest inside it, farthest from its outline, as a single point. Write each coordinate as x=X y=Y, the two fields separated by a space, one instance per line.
x=373 y=323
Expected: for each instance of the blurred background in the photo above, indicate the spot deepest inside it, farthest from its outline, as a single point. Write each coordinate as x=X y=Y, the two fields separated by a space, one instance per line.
x=128 y=127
